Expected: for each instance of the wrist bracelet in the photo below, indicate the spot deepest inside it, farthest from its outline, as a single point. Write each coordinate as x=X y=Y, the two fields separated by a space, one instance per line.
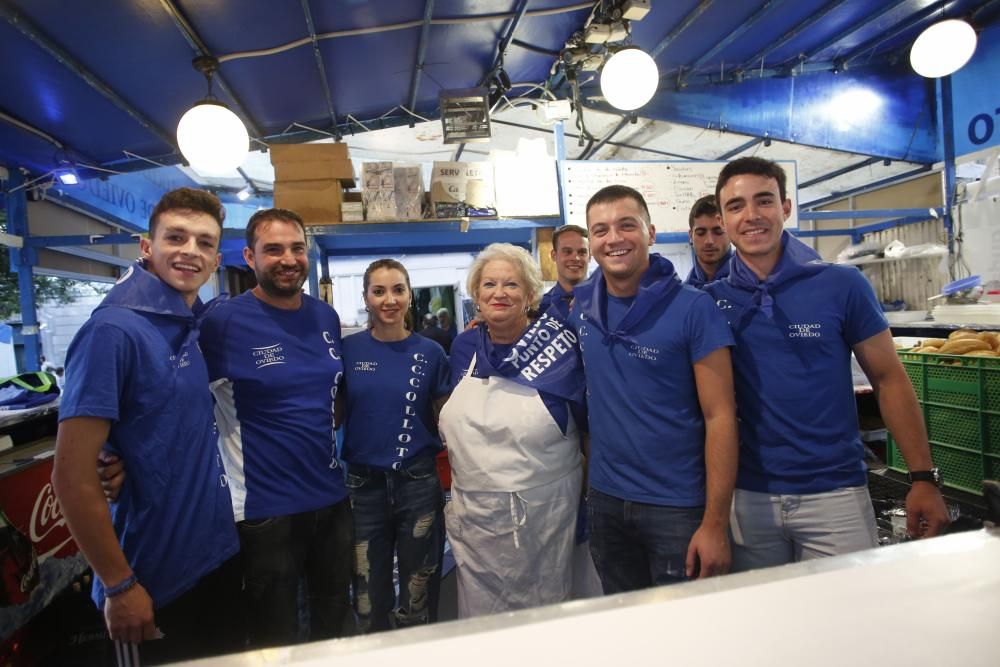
x=120 y=587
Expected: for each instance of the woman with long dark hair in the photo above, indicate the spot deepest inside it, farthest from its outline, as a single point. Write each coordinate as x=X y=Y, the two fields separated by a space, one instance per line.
x=394 y=384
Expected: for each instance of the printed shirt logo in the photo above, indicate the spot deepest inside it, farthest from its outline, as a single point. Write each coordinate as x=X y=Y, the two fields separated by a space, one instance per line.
x=365 y=366
x=805 y=330
x=268 y=355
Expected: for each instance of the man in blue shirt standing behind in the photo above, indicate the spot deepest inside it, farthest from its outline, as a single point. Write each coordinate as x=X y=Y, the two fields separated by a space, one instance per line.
x=801 y=491
x=712 y=250
x=662 y=416
x=274 y=361
x=164 y=556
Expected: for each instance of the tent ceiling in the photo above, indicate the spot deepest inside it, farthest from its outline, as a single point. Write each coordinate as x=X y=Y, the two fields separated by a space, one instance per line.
x=101 y=82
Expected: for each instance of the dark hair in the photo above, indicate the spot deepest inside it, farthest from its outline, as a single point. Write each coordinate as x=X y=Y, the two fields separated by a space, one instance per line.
x=390 y=264
x=566 y=228
x=269 y=215
x=757 y=166
x=705 y=206
x=613 y=193
x=187 y=199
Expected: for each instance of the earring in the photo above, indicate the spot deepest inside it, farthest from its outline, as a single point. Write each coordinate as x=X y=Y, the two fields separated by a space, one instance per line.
x=478 y=308
x=367 y=309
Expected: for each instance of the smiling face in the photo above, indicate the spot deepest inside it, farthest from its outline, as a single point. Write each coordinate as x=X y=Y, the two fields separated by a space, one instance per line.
x=754 y=216
x=183 y=251
x=387 y=298
x=571 y=258
x=502 y=297
x=709 y=239
x=620 y=237
x=279 y=259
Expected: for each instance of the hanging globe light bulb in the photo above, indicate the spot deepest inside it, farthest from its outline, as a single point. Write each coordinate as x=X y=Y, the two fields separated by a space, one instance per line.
x=943 y=48
x=629 y=79
x=211 y=137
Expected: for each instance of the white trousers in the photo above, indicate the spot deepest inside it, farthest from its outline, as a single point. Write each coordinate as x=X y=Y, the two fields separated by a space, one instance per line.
x=772 y=529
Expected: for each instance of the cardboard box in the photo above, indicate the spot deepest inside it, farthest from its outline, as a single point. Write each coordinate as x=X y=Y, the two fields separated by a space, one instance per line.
x=312 y=162
x=468 y=183
x=282 y=153
x=352 y=211
x=318 y=202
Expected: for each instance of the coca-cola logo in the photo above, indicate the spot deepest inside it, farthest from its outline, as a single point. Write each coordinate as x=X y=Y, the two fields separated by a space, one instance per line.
x=46 y=517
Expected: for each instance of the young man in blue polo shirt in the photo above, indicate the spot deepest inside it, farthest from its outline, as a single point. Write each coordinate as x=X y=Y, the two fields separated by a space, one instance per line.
x=662 y=417
x=571 y=254
x=802 y=488
x=712 y=250
x=164 y=555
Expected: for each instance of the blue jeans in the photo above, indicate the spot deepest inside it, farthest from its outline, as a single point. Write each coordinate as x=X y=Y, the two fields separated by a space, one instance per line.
x=637 y=545
x=397 y=514
x=278 y=552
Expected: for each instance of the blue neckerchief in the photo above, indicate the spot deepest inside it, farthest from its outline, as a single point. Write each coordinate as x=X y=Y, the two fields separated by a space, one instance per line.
x=142 y=291
x=659 y=285
x=557 y=301
x=535 y=360
x=797 y=260
x=697 y=276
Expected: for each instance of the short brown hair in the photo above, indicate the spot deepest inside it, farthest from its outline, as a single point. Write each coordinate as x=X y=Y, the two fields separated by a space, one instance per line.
x=707 y=205
x=613 y=193
x=187 y=199
x=577 y=229
x=756 y=166
x=269 y=215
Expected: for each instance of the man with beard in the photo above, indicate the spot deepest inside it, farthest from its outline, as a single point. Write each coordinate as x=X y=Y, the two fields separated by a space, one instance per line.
x=274 y=364
x=571 y=254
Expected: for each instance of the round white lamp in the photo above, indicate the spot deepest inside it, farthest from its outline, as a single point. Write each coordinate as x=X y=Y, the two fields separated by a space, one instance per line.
x=943 y=48
x=629 y=79
x=212 y=138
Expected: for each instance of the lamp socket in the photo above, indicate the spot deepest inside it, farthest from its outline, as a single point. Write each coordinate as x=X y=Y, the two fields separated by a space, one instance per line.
x=597 y=33
x=635 y=10
x=557 y=110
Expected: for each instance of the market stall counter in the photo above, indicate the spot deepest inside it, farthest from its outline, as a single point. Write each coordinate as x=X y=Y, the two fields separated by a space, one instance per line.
x=929 y=602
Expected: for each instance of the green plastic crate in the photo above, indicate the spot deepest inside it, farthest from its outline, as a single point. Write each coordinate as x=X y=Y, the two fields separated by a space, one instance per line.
x=960 y=400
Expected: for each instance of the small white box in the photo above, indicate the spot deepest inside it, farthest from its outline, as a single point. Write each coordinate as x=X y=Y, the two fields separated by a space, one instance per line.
x=635 y=10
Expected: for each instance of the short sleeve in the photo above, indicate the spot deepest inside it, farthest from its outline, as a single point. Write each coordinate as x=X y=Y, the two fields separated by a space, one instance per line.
x=98 y=364
x=462 y=352
x=864 y=317
x=706 y=328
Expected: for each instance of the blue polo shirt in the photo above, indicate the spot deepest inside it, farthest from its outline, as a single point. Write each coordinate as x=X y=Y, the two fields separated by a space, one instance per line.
x=646 y=426
x=792 y=370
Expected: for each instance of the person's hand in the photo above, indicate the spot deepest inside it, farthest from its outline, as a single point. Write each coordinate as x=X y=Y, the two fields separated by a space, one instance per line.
x=111 y=471
x=129 y=616
x=708 y=553
x=926 y=514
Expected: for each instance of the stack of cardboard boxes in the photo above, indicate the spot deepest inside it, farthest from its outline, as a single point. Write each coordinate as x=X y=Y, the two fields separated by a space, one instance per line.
x=310 y=179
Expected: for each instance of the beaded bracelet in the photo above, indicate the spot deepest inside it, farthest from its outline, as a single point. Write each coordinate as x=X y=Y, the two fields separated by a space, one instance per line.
x=121 y=587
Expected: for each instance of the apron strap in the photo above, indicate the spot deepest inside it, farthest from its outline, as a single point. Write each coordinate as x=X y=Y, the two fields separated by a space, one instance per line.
x=472 y=366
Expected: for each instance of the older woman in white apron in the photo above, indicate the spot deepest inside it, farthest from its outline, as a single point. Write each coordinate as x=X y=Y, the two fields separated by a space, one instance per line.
x=513 y=442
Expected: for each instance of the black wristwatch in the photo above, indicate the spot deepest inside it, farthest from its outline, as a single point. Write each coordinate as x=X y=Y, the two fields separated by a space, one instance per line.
x=933 y=475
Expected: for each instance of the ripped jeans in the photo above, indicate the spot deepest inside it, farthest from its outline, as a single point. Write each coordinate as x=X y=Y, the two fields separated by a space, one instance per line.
x=397 y=513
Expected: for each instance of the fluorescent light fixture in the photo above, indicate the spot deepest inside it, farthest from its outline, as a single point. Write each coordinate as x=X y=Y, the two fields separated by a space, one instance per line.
x=629 y=79
x=243 y=194
x=943 y=48
x=68 y=177
x=211 y=137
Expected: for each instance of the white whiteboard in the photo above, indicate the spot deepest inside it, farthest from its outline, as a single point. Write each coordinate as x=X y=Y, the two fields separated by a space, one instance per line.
x=670 y=188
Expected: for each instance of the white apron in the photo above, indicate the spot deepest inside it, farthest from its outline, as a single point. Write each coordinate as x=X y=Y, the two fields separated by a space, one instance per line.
x=515 y=492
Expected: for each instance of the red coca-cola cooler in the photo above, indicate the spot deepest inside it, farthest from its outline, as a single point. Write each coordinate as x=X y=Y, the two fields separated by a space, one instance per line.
x=38 y=558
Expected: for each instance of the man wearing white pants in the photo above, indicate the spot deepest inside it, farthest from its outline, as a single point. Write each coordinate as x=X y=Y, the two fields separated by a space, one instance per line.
x=801 y=489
